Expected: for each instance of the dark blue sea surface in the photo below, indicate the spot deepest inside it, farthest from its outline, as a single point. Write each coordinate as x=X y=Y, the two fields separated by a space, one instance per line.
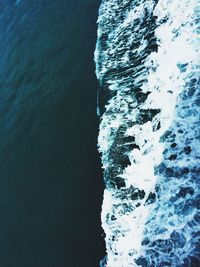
x=50 y=175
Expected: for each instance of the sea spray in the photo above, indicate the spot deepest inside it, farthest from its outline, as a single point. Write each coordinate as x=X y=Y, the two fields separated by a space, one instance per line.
x=147 y=62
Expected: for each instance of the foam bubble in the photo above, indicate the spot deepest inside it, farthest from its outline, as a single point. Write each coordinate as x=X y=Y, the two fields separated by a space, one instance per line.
x=147 y=58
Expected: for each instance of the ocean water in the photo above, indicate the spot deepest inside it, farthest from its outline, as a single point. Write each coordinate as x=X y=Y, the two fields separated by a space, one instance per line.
x=147 y=63
x=50 y=177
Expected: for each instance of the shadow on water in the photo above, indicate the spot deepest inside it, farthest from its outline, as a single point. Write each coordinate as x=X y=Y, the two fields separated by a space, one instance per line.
x=50 y=176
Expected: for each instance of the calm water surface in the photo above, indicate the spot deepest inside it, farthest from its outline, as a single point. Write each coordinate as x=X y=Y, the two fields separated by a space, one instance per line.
x=50 y=175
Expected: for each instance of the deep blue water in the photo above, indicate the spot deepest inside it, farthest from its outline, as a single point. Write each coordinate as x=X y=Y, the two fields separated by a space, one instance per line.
x=50 y=175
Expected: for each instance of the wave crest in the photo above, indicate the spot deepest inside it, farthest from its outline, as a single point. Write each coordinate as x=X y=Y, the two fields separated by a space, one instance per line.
x=147 y=62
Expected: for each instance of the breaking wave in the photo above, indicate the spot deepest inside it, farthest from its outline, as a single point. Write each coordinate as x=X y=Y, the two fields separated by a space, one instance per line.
x=147 y=63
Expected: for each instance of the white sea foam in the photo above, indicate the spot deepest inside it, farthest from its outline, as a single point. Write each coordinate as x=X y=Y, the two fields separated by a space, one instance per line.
x=152 y=219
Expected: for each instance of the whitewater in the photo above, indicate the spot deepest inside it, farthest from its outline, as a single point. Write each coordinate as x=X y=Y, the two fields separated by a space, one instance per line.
x=147 y=63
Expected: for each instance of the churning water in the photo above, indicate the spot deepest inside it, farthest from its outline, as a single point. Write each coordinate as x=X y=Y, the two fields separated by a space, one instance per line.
x=147 y=62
